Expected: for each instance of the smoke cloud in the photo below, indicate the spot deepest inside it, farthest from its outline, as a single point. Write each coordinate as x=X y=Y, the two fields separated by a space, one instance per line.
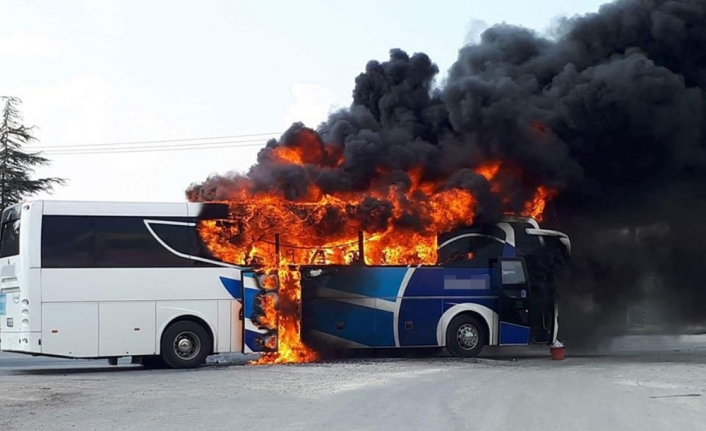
x=610 y=113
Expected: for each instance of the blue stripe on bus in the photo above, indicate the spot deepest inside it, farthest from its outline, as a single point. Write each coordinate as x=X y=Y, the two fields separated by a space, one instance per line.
x=373 y=282
x=513 y=334
x=364 y=325
x=233 y=286
x=438 y=281
x=248 y=302
x=508 y=250
x=488 y=302
x=250 y=340
x=423 y=316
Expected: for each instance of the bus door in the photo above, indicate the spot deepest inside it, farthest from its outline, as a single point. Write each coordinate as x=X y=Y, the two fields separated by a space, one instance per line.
x=514 y=300
x=259 y=327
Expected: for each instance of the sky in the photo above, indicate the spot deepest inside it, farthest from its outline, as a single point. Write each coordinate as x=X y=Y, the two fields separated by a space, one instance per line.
x=95 y=73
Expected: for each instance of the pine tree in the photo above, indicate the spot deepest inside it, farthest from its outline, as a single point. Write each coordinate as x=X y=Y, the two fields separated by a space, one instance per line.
x=16 y=166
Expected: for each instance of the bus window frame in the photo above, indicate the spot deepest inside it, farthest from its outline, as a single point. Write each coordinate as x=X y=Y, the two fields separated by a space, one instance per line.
x=525 y=272
x=10 y=215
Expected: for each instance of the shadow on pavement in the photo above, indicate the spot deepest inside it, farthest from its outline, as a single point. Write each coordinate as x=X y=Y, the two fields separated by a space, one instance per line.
x=632 y=349
x=76 y=370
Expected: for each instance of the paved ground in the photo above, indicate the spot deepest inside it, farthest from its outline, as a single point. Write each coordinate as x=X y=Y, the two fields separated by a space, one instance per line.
x=628 y=390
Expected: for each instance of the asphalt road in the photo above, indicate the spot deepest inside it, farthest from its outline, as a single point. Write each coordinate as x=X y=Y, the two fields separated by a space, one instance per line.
x=631 y=389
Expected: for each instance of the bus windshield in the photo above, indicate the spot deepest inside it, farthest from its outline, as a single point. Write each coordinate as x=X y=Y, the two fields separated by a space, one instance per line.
x=10 y=233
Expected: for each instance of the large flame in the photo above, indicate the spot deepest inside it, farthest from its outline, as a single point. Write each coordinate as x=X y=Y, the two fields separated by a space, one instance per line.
x=283 y=315
x=401 y=222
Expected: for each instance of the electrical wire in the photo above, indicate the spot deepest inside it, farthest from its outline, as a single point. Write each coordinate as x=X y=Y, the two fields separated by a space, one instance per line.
x=107 y=144
x=152 y=146
x=221 y=145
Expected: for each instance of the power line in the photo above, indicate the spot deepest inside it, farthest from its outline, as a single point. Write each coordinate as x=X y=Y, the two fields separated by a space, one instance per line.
x=187 y=147
x=109 y=144
x=246 y=143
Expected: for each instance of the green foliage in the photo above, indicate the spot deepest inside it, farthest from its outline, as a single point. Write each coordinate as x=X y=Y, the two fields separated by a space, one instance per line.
x=16 y=165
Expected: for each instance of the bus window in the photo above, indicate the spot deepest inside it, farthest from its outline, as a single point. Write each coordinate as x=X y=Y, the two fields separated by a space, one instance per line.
x=174 y=236
x=68 y=242
x=125 y=242
x=211 y=212
x=10 y=232
x=512 y=272
x=10 y=244
x=201 y=250
x=471 y=251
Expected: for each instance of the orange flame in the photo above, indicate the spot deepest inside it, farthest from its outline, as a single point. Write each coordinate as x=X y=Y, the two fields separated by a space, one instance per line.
x=488 y=170
x=323 y=229
x=268 y=319
x=535 y=207
x=285 y=317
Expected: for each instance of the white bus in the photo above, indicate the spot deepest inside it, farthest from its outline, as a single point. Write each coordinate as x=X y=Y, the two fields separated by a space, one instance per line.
x=108 y=280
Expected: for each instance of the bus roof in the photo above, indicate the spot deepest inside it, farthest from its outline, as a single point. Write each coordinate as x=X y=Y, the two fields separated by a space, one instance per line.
x=113 y=208
x=163 y=209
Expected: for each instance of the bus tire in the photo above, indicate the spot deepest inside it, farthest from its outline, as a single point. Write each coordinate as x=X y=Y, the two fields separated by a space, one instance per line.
x=185 y=344
x=465 y=336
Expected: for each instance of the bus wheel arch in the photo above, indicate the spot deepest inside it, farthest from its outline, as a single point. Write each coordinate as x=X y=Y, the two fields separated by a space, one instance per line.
x=186 y=341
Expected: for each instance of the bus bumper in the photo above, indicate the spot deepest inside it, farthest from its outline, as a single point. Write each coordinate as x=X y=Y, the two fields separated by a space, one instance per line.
x=22 y=342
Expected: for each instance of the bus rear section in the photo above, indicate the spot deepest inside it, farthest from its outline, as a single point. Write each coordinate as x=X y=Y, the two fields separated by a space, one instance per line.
x=20 y=298
x=110 y=279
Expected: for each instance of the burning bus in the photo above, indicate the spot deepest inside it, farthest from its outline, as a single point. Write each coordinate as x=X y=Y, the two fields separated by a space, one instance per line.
x=491 y=285
x=113 y=279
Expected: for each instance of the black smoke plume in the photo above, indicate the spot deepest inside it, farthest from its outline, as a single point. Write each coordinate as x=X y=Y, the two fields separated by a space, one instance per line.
x=610 y=112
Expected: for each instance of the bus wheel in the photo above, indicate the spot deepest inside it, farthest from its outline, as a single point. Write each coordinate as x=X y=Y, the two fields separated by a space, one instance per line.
x=465 y=336
x=185 y=344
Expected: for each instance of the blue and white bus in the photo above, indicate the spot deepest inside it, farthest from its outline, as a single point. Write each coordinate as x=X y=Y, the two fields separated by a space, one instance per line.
x=116 y=279
x=503 y=295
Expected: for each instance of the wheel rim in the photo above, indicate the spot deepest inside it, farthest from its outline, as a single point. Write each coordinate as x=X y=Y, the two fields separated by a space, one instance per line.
x=187 y=345
x=467 y=336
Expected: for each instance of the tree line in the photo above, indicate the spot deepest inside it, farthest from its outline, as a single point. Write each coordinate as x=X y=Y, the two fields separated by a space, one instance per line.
x=17 y=165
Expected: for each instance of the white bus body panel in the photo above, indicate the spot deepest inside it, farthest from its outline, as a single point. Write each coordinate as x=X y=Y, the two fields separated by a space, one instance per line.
x=224 y=327
x=126 y=328
x=70 y=329
x=134 y=284
x=110 y=311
